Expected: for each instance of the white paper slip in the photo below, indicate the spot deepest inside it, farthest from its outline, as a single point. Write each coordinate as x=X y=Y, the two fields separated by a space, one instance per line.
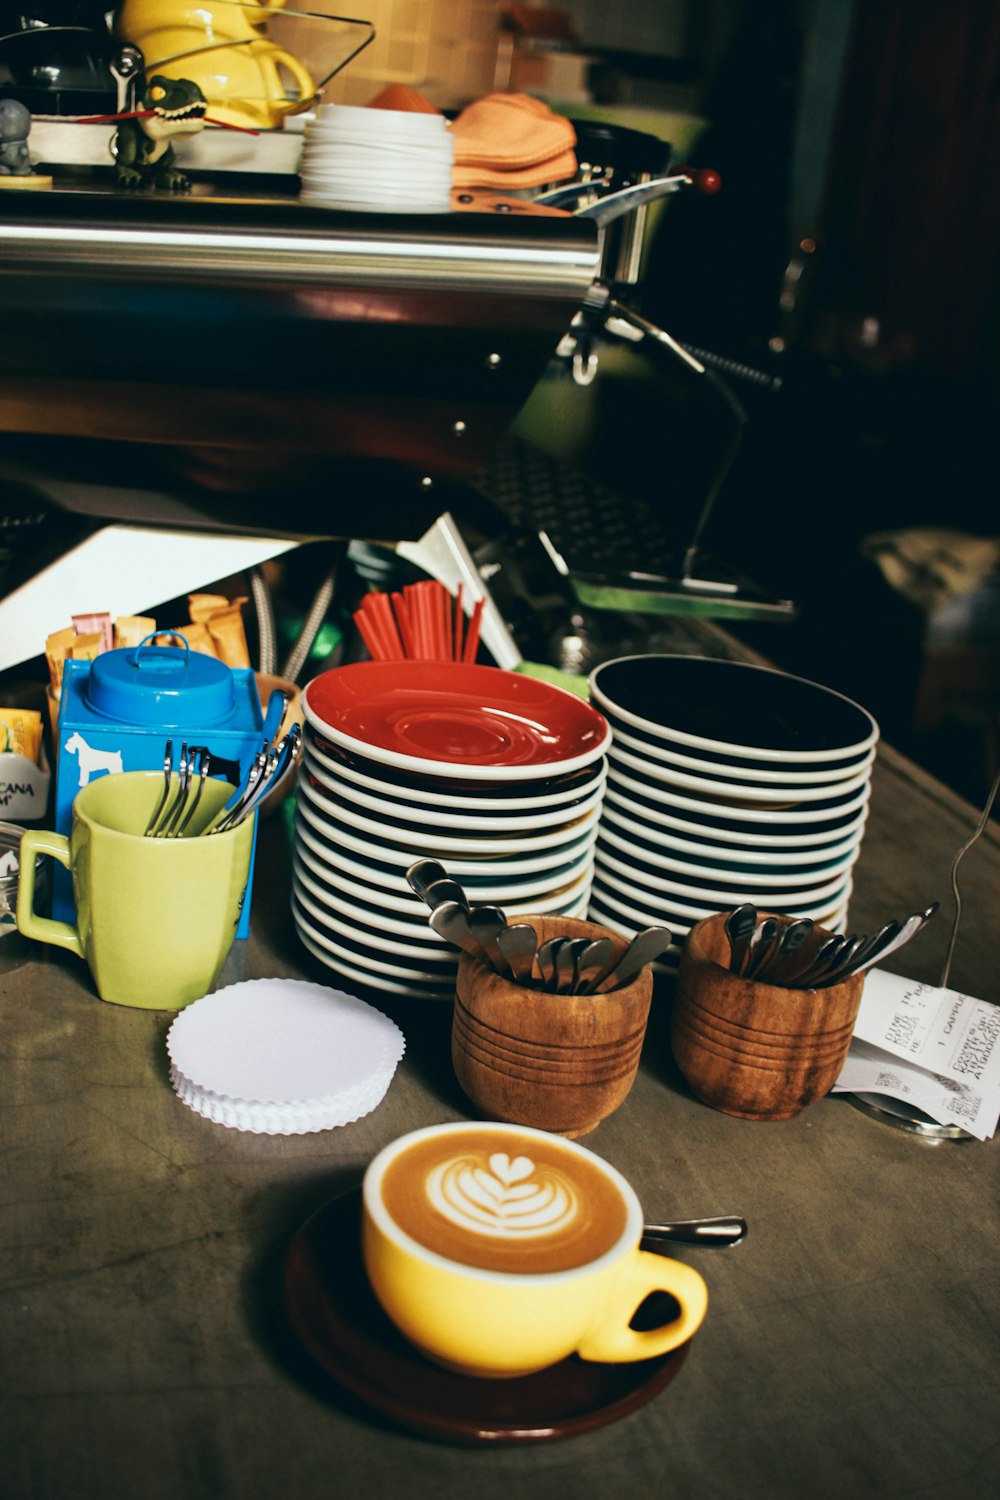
x=870 y=1071
x=930 y=1047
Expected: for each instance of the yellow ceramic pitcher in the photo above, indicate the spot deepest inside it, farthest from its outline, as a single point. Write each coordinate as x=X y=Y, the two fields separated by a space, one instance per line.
x=223 y=47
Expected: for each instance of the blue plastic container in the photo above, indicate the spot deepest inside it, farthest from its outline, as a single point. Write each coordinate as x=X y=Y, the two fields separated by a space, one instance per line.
x=117 y=712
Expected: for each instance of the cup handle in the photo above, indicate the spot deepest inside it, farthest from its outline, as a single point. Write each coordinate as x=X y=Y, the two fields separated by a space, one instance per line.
x=34 y=842
x=615 y=1341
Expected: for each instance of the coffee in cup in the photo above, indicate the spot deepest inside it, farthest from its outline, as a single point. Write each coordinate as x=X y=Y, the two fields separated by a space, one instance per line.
x=499 y=1250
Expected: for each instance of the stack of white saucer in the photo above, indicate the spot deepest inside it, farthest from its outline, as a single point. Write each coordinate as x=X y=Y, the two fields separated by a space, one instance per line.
x=383 y=160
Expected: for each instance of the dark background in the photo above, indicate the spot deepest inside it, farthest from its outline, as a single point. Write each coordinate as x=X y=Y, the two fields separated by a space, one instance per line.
x=870 y=133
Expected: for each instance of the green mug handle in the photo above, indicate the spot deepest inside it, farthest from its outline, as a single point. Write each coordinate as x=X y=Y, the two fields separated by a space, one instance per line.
x=34 y=842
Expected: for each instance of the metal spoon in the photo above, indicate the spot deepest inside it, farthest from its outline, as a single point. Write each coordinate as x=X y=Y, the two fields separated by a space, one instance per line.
x=840 y=960
x=787 y=962
x=593 y=960
x=517 y=943
x=168 y=765
x=545 y=959
x=787 y=940
x=566 y=964
x=909 y=929
x=238 y=799
x=848 y=961
x=822 y=961
x=643 y=948
x=739 y=926
x=486 y=924
x=451 y=921
x=445 y=890
x=790 y=940
x=205 y=761
x=170 y=817
x=715 y=1234
x=279 y=762
x=762 y=940
x=424 y=872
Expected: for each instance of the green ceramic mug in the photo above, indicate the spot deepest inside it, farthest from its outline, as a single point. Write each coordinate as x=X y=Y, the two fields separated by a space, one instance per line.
x=155 y=918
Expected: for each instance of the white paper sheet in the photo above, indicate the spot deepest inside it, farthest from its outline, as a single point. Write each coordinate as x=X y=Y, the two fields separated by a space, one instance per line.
x=929 y=1047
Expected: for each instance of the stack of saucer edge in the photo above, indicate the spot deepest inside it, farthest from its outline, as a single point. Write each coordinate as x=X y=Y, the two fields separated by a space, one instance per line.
x=727 y=782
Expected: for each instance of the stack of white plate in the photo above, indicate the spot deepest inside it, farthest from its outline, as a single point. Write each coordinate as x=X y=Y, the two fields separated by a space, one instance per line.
x=727 y=783
x=384 y=160
x=498 y=776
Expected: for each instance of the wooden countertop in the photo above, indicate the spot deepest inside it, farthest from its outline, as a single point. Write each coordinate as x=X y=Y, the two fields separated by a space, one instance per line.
x=851 y=1344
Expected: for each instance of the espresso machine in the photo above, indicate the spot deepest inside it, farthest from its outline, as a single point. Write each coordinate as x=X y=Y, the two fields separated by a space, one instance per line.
x=239 y=372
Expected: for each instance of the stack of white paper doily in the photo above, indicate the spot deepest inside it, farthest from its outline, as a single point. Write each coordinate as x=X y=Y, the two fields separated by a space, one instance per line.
x=282 y=1056
x=384 y=160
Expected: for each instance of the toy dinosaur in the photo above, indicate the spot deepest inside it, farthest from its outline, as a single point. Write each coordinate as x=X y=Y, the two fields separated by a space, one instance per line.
x=141 y=146
x=15 y=123
x=16 y=170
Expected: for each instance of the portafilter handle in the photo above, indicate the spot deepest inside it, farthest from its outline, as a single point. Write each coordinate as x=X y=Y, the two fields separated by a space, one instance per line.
x=614 y=205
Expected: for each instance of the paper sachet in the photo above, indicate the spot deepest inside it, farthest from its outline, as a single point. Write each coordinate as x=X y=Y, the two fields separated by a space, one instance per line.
x=933 y=1048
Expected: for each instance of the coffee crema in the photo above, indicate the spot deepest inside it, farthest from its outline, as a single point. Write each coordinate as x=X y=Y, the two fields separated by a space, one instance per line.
x=503 y=1202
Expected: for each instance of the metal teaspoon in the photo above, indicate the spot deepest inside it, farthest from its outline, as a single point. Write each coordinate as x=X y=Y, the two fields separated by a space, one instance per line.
x=593 y=961
x=518 y=942
x=445 y=890
x=846 y=963
x=643 y=948
x=486 y=924
x=790 y=938
x=761 y=942
x=451 y=921
x=168 y=765
x=545 y=958
x=822 y=961
x=566 y=962
x=422 y=873
x=909 y=929
x=715 y=1234
x=739 y=927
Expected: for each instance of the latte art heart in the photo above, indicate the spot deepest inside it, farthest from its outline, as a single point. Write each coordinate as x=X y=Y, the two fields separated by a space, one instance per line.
x=510 y=1171
x=502 y=1198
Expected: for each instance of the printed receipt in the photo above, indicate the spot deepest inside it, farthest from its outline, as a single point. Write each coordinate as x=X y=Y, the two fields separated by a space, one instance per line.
x=928 y=1047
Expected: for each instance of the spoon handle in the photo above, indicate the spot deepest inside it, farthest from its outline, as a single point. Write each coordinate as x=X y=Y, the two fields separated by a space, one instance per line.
x=909 y=929
x=710 y=1234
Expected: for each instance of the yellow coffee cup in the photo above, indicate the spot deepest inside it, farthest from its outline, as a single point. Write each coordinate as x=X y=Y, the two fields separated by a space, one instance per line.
x=499 y=1250
x=155 y=917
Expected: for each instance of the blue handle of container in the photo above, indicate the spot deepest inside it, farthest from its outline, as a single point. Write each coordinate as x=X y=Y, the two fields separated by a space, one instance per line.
x=274 y=713
x=151 y=664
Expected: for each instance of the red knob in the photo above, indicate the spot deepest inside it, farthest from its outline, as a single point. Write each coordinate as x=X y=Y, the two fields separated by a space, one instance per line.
x=706 y=180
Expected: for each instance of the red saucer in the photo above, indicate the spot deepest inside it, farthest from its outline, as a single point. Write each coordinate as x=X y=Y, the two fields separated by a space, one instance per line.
x=338 y=1320
x=480 y=723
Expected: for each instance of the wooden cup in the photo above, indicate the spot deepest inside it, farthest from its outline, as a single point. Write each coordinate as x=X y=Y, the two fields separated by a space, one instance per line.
x=753 y=1049
x=556 y=1062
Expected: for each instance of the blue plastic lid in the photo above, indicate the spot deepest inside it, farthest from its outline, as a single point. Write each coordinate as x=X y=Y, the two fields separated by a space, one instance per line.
x=169 y=687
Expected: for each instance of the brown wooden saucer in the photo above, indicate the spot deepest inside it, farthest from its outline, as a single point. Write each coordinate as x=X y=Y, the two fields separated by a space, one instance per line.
x=339 y=1322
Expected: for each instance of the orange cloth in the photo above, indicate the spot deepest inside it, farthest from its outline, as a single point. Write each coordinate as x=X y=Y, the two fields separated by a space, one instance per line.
x=399 y=96
x=502 y=141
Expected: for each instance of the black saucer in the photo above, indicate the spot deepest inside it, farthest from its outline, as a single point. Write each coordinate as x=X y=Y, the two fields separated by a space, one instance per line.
x=335 y=1315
